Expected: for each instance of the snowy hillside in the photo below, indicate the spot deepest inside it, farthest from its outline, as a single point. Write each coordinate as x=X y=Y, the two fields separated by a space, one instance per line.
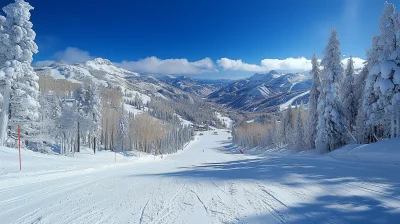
x=105 y=73
x=100 y=70
x=172 y=97
x=264 y=92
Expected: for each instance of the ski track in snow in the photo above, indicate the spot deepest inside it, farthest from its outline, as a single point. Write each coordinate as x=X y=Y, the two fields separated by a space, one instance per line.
x=214 y=186
x=284 y=106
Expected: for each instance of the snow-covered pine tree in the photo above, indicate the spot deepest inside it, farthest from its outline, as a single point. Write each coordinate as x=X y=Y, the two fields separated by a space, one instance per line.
x=359 y=86
x=369 y=100
x=96 y=110
x=287 y=124
x=4 y=41
x=4 y=87
x=361 y=131
x=384 y=76
x=313 y=103
x=5 y=81
x=123 y=129
x=89 y=106
x=94 y=114
x=300 y=143
x=19 y=44
x=67 y=127
x=138 y=101
x=347 y=97
x=330 y=129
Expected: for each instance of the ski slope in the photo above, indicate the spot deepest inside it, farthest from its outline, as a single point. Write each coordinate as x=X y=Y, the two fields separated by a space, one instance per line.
x=286 y=105
x=207 y=182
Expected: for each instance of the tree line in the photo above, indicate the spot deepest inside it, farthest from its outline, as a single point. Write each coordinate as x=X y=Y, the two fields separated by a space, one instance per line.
x=65 y=115
x=344 y=106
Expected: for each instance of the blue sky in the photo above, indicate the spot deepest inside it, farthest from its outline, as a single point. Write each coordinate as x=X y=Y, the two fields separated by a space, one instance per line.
x=201 y=38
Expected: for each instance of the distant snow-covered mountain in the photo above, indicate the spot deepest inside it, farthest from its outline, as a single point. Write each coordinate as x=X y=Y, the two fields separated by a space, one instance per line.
x=200 y=88
x=264 y=92
x=105 y=73
x=261 y=92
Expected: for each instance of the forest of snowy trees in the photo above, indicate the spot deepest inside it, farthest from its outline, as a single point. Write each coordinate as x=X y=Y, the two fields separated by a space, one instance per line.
x=344 y=106
x=59 y=114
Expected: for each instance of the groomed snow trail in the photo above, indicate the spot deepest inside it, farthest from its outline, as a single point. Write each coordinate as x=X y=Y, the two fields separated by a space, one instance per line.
x=205 y=183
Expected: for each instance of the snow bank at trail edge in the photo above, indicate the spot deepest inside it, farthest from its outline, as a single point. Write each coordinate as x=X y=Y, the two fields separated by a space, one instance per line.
x=385 y=151
x=39 y=162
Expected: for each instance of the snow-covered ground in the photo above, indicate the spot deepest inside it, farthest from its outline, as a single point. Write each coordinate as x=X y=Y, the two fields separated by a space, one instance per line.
x=286 y=105
x=227 y=120
x=207 y=182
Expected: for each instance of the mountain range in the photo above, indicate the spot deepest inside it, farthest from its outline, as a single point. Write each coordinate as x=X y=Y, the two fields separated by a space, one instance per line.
x=259 y=93
x=264 y=92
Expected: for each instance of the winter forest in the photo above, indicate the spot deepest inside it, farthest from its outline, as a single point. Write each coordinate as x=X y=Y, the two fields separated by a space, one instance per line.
x=200 y=112
x=345 y=106
x=60 y=115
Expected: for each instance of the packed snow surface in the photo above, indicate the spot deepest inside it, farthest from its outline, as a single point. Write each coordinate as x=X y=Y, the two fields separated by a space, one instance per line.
x=207 y=182
x=286 y=105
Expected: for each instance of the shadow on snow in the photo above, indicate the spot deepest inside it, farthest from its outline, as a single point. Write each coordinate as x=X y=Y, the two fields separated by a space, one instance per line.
x=307 y=172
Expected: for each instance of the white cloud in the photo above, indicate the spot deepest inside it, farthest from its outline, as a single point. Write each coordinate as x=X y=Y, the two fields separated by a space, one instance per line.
x=288 y=64
x=358 y=62
x=238 y=65
x=70 y=55
x=43 y=63
x=73 y=55
x=155 y=65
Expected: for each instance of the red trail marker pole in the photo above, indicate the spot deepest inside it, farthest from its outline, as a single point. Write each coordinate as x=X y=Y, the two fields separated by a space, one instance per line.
x=19 y=148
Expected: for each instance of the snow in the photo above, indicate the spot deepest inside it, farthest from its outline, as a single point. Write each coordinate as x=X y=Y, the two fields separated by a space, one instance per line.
x=132 y=109
x=386 y=152
x=385 y=85
x=207 y=182
x=261 y=91
x=183 y=121
x=284 y=106
x=396 y=76
x=56 y=74
x=387 y=68
x=133 y=93
x=228 y=121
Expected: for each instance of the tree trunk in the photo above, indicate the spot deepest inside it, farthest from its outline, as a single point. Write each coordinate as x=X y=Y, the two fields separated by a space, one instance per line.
x=94 y=145
x=79 y=138
x=89 y=141
x=112 y=140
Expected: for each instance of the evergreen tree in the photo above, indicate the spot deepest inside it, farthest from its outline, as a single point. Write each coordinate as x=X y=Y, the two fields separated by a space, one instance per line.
x=123 y=127
x=4 y=41
x=383 y=82
x=313 y=103
x=347 y=97
x=300 y=143
x=18 y=40
x=361 y=131
x=330 y=129
x=89 y=105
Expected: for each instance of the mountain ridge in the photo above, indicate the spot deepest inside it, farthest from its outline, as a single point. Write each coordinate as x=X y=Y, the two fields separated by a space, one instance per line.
x=263 y=91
